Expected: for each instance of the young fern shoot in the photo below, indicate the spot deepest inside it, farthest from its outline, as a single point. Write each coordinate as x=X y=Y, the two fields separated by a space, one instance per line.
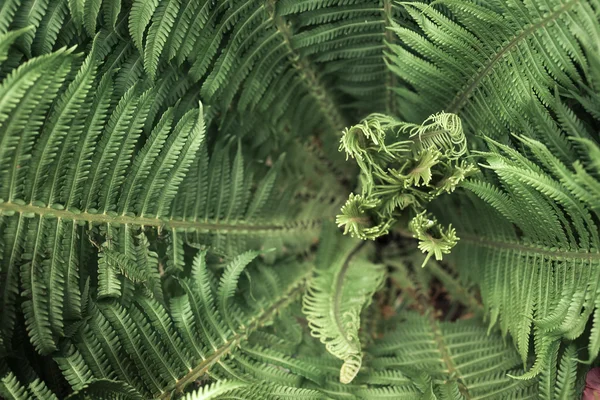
x=404 y=167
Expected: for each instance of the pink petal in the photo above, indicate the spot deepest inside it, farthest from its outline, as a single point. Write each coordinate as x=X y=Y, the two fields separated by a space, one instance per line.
x=592 y=385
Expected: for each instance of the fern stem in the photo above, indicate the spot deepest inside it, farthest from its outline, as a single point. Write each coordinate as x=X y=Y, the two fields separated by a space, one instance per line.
x=425 y=301
x=391 y=78
x=309 y=75
x=201 y=368
x=445 y=353
x=204 y=366
x=339 y=288
x=9 y=208
x=550 y=253
x=460 y=293
x=461 y=98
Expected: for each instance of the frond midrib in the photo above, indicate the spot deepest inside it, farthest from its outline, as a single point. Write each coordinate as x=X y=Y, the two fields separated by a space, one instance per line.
x=227 y=347
x=167 y=223
x=461 y=98
x=339 y=290
x=552 y=254
x=310 y=76
x=445 y=354
x=391 y=78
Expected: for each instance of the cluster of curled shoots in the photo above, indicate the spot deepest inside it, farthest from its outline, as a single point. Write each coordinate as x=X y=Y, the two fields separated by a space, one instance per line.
x=403 y=167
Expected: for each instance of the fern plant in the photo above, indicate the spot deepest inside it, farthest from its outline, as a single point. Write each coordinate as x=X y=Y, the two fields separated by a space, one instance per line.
x=299 y=199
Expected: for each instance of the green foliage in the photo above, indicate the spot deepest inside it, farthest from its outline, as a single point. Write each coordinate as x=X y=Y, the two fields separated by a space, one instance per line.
x=550 y=240
x=407 y=174
x=343 y=283
x=170 y=171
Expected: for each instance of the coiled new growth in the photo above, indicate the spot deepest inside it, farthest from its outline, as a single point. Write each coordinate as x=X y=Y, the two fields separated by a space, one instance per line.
x=403 y=167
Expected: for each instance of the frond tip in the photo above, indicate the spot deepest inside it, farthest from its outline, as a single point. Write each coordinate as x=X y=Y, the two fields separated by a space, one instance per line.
x=356 y=220
x=433 y=238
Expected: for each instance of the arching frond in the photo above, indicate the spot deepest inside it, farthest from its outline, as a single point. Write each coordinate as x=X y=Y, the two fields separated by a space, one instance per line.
x=341 y=287
x=149 y=338
x=535 y=257
x=495 y=64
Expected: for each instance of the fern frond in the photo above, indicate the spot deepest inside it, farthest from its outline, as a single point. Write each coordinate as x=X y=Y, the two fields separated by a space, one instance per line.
x=153 y=336
x=7 y=39
x=557 y=258
x=163 y=20
x=29 y=14
x=517 y=52
x=113 y=184
x=398 y=174
x=341 y=287
x=139 y=18
x=111 y=10
x=12 y=389
x=458 y=360
x=105 y=389
x=215 y=390
x=228 y=283
x=567 y=373
x=167 y=167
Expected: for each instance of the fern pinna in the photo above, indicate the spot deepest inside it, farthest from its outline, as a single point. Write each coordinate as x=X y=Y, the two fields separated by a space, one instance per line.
x=312 y=199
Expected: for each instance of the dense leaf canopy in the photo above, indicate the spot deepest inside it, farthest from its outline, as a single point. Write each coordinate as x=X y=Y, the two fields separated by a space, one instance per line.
x=175 y=177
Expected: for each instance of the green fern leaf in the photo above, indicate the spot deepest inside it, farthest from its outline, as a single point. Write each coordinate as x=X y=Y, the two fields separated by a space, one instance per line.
x=341 y=287
x=139 y=18
x=158 y=32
